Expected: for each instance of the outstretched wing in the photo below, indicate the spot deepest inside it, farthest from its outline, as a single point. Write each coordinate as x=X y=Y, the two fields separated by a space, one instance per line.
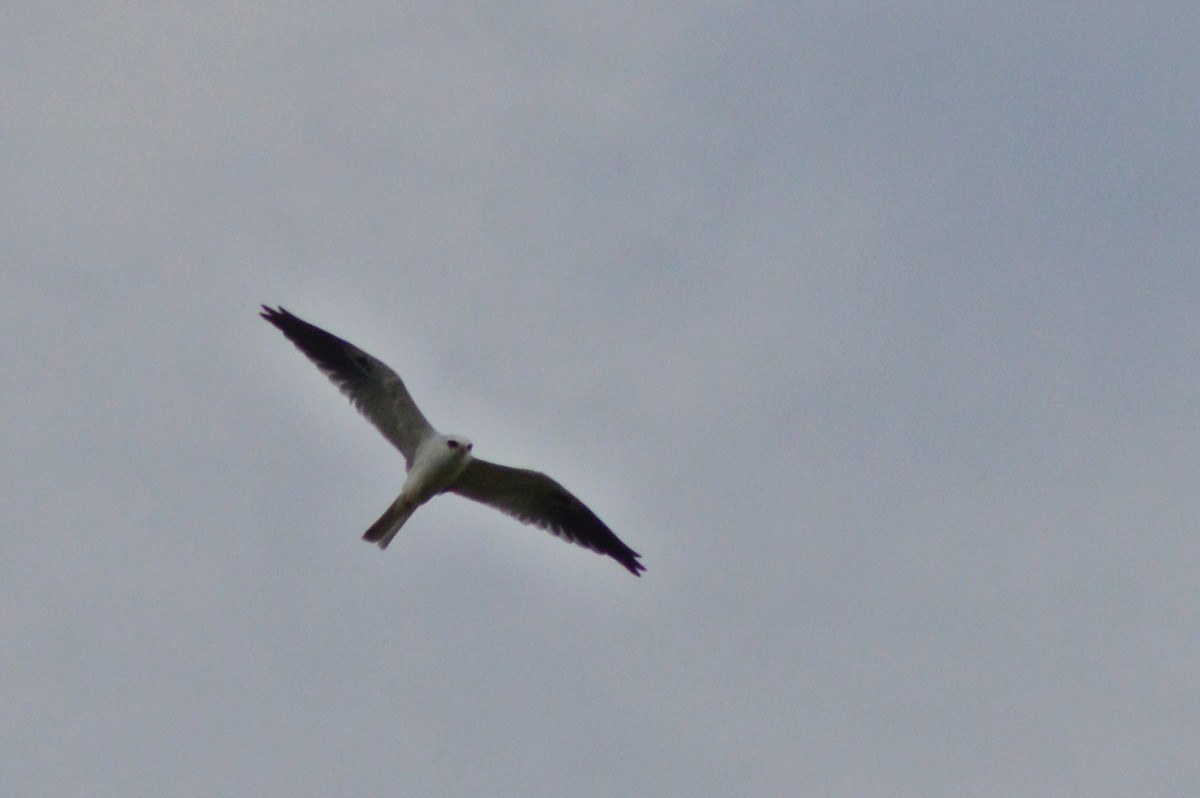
x=534 y=498
x=373 y=388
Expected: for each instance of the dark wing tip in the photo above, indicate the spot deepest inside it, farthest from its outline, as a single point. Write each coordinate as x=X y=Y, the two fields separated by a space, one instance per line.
x=576 y=522
x=277 y=316
x=604 y=541
x=626 y=556
x=337 y=358
x=312 y=340
x=631 y=564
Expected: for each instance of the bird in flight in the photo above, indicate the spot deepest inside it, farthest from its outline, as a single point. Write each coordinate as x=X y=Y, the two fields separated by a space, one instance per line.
x=440 y=463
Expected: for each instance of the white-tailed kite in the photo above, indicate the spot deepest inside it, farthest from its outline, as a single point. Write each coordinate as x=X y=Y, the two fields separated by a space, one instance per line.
x=443 y=463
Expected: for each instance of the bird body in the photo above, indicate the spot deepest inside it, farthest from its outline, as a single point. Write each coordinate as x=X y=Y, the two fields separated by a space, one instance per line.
x=438 y=463
x=439 y=460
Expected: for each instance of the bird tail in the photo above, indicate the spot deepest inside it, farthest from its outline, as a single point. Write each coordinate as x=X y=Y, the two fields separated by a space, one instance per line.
x=383 y=530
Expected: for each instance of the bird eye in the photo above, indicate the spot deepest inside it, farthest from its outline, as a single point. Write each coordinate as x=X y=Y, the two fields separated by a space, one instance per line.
x=452 y=444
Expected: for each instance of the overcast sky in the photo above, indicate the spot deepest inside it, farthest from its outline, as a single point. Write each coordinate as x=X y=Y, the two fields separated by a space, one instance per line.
x=875 y=332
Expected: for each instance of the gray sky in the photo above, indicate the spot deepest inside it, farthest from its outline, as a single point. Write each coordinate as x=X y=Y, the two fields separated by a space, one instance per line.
x=875 y=332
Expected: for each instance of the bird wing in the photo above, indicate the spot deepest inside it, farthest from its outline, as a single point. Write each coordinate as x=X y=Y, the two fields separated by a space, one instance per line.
x=372 y=387
x=534 y=498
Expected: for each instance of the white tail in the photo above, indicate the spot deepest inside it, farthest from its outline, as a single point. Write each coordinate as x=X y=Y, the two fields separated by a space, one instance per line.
x=383 y=530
